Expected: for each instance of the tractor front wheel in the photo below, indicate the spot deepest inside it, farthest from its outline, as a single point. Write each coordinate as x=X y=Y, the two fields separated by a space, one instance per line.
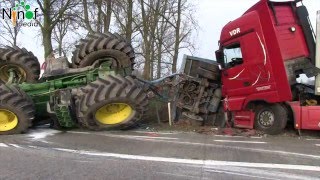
x=16 y=111
x=114 y=102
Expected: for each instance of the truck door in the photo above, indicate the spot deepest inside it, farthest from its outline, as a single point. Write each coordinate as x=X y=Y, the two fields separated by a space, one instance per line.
x=235 y=76
x=245 y=65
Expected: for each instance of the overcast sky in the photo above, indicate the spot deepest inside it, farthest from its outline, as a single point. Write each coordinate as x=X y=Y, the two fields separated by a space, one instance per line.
x=212 y=15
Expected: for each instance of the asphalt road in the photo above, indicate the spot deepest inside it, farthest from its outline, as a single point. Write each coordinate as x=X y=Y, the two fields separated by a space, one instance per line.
x=48 y=154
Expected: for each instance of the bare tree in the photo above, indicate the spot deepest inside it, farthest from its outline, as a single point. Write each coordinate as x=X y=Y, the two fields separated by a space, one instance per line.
x=97 y=15
x=8 y=32
x=53 y=12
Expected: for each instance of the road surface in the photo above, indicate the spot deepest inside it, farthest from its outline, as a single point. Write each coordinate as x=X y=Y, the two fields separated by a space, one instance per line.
x=48 y=154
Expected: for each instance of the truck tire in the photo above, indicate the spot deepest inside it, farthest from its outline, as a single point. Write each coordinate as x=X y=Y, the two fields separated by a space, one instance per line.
x=16 y=110
x=101 y=46
x=205 y=73
x=112 y=103
x=23 y=62
x=271 y=119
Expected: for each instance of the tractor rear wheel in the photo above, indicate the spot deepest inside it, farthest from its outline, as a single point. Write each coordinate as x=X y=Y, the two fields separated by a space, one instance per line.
x=23 y=63
x=271 y=119
x=16 y=110
x=114 y=102
x=99 y=48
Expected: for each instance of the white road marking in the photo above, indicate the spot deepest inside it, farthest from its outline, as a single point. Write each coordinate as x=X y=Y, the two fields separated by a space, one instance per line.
x=192 y=161
x=178 y=175
x=3 y=145
x=313 y=139
x=318 y=145
x=126 y=136
x=162 y=133
x=226 y=136
x=245 y=142
x=238 y=174
x=152 y=137
x=255 y=150
x=260 y=172
x=15 y=145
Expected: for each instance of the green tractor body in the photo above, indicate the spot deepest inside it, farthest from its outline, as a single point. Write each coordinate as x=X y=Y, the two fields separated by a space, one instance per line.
x=94 y=92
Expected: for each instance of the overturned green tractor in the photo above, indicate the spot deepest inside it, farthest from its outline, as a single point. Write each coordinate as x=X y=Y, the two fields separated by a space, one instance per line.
x=95 y=91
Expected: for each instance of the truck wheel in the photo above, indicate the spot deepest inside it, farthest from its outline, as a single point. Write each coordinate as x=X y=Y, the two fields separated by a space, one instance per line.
x=205 y=73
x=25 y=65
x=16 y=111
x=271 y=119
x=105 y=47
x=114 y=102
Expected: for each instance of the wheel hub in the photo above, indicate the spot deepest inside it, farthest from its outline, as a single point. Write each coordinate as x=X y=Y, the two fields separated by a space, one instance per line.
x=8 y=120
x=18 y=71
x=266 y=118
x=113 y=113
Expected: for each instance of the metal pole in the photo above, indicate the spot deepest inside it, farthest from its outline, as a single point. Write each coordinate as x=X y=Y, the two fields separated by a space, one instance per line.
x=169 y=112
x=317 y=83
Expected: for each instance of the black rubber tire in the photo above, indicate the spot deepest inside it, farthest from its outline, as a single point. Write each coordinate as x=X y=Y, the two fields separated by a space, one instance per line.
x=279 y=114
x=19 y=103
x=204 y=73
x=113 y=89
x=98 y=45
x=23 y=59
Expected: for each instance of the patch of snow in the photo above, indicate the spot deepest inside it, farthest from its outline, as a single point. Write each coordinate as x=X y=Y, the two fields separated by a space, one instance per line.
x=42 y=134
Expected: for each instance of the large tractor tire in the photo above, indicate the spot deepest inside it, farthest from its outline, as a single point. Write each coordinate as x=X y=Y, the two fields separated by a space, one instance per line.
x=271 y=119
x=112 y=103
x=105 y=47
x=24 y=64
x=17 y=110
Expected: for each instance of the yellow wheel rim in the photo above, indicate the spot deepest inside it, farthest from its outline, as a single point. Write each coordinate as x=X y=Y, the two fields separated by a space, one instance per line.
x=114 y=113
x=8 y=120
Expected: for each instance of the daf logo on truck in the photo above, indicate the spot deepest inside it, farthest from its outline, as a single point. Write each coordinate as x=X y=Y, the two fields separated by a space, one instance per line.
x=235 y=32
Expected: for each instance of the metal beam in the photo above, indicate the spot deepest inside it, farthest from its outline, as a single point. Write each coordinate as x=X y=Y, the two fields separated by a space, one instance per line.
x=317 y=83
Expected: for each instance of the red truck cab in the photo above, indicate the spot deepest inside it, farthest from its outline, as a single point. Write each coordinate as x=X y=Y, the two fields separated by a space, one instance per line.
x=261 y=54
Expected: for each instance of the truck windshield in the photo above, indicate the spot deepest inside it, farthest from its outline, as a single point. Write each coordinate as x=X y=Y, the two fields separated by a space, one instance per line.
x=232 y=55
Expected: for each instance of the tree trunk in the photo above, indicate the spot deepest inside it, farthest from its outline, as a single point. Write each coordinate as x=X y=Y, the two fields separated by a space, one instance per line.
x=177 y=39
x=86 y=16
x=99 y=4
x=46 y=29
x=47 y=43
x=107 y=17
x=129 y=30
x=15 y=36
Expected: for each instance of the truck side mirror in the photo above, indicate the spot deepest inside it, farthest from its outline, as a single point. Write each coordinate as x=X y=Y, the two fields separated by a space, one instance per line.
x=220 y=58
